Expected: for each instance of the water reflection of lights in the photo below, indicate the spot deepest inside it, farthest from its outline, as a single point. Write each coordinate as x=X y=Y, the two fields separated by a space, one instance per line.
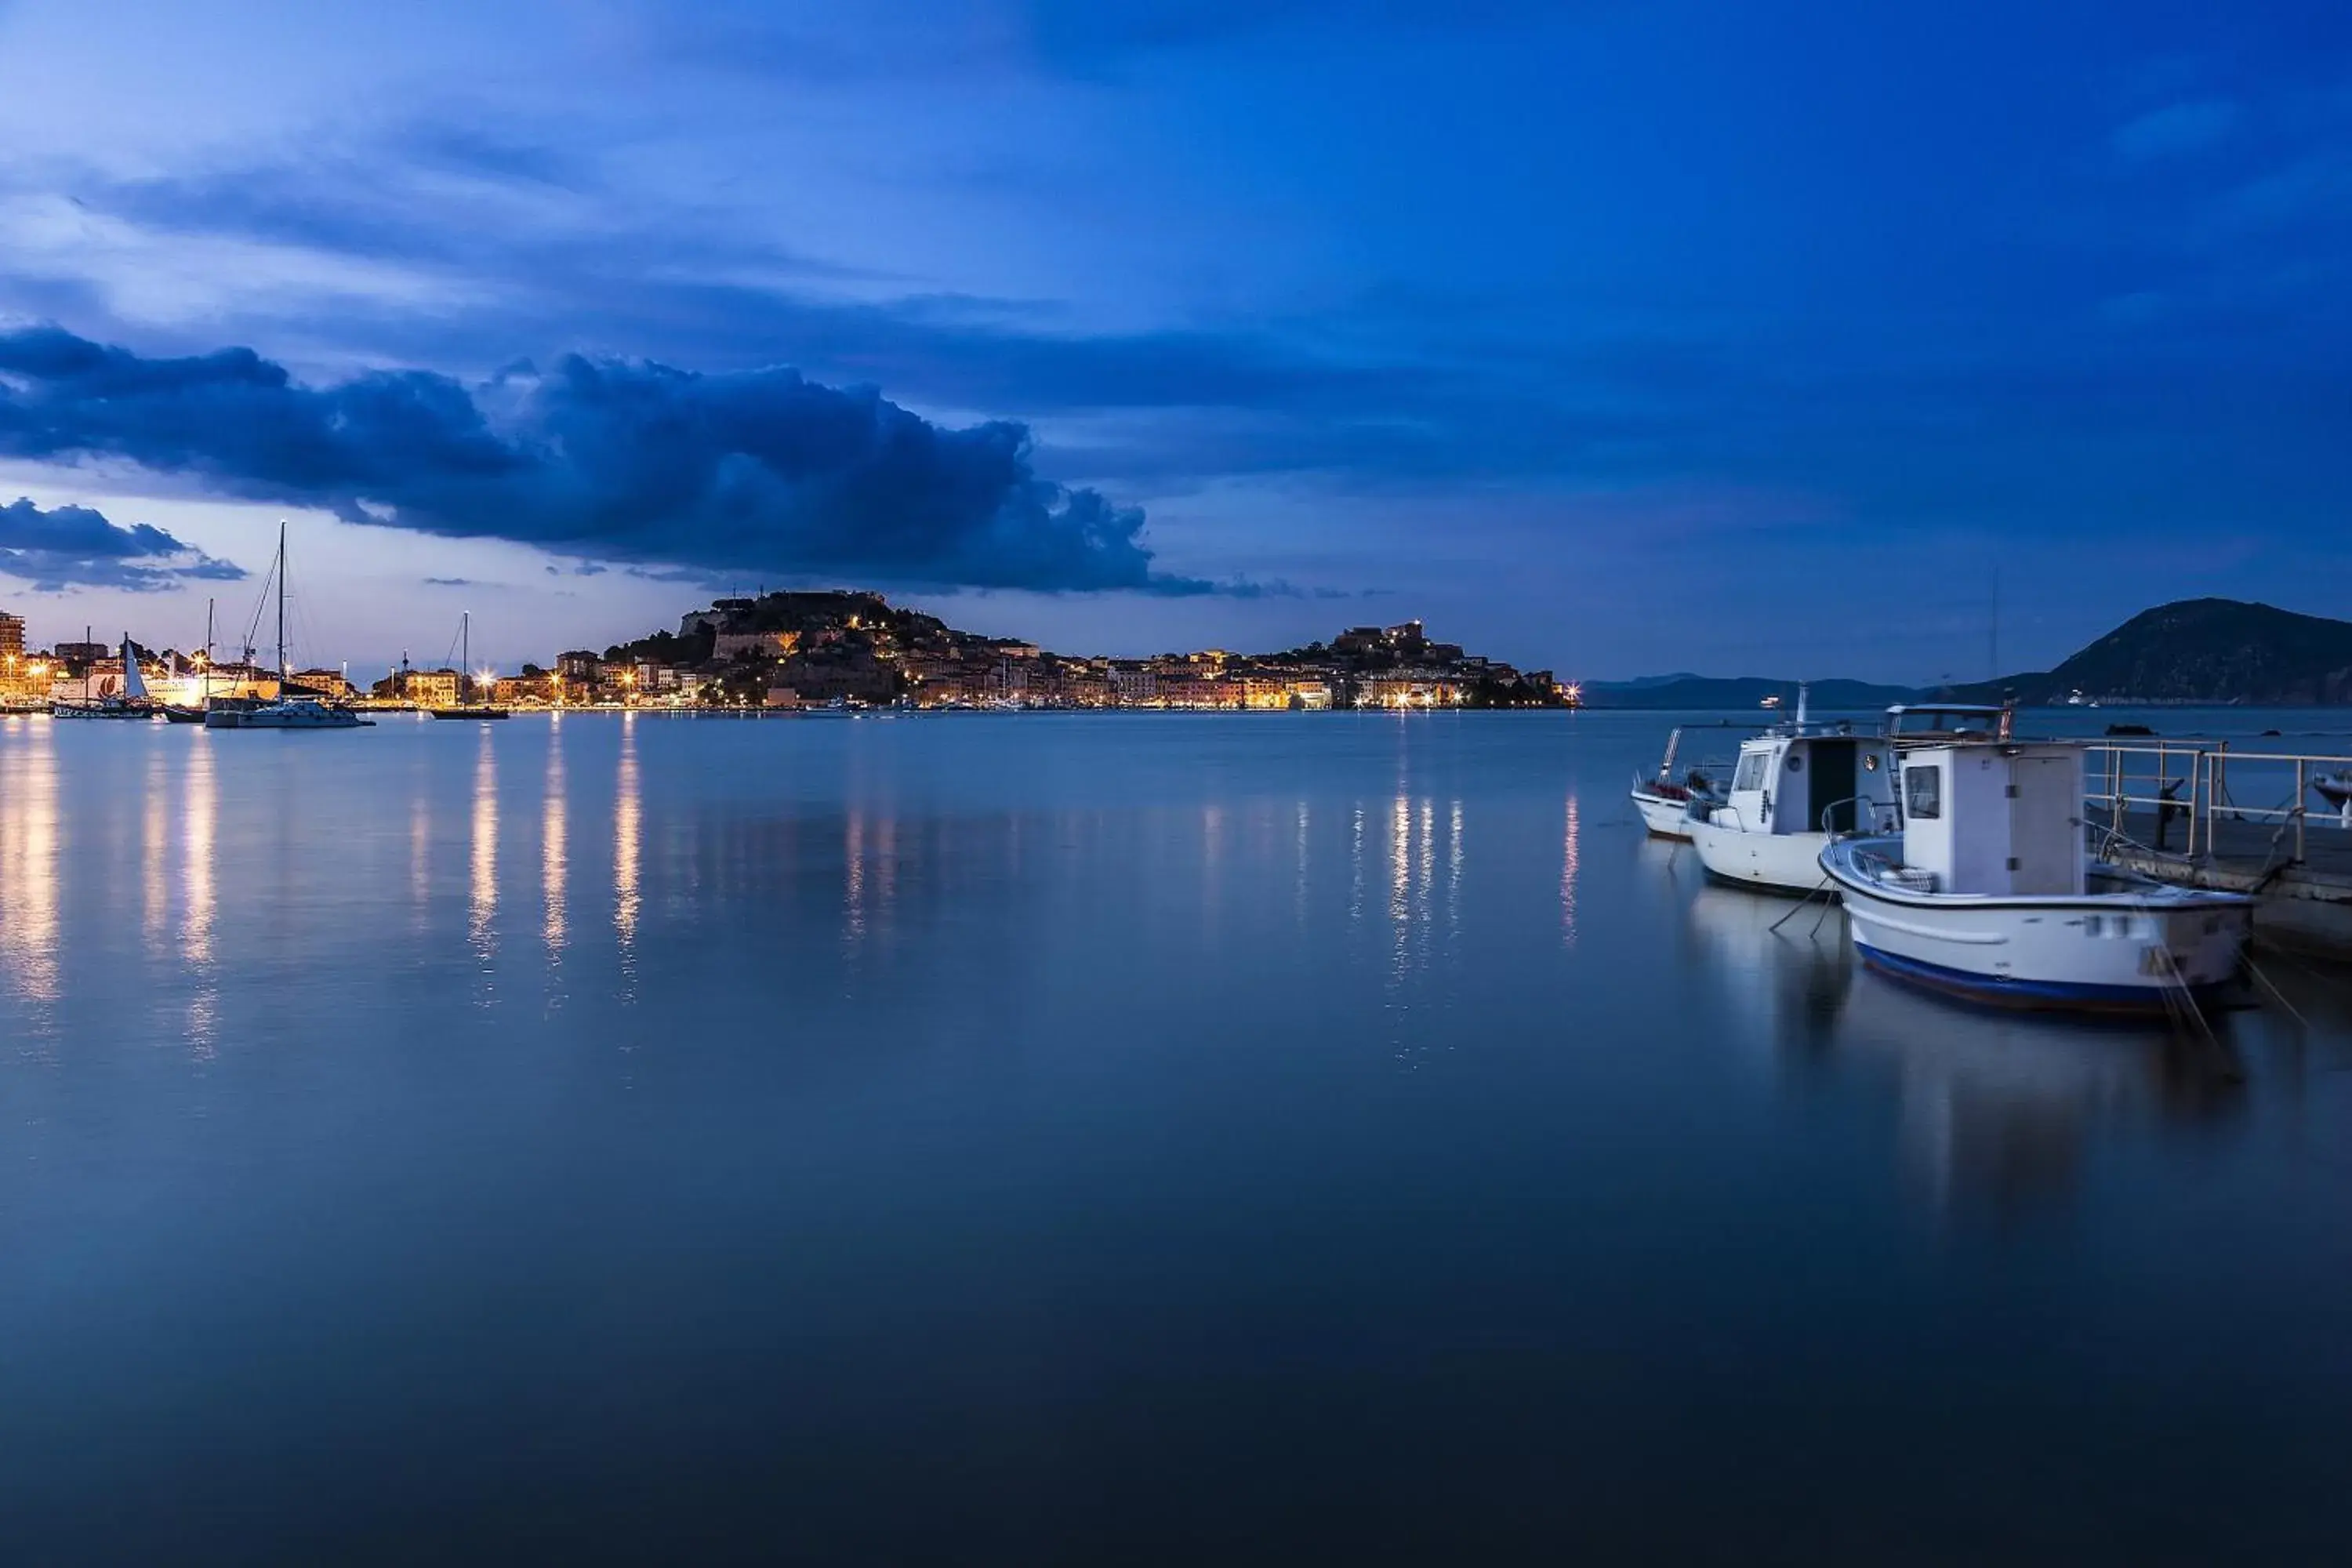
x=154 y=856
x=853 y=875
x=552 y=848
x=1356 y=868
x=28 y=834
x=484 y=905
x=203 y=803
x=624 y=857
x=1568 y=853
x=1302 y=864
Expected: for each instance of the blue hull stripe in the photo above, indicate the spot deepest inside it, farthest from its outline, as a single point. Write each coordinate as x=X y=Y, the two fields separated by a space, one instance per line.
x=2020 y=993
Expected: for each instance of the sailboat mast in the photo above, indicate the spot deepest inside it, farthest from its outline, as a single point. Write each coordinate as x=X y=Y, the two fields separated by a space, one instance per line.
x=281 y=610
x=466 y=656
x=208 y=653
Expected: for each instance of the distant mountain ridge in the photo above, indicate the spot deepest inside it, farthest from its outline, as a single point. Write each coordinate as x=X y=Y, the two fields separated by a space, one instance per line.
x=1698 y=691
x=2219 y=651
x=2200 y=650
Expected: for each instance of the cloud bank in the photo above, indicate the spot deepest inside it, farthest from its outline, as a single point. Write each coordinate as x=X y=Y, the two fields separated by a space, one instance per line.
x=604 y=459
x=73 y=546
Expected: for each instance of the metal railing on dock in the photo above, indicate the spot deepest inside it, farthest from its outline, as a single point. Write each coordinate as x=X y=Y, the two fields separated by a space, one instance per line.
x=2222 y=798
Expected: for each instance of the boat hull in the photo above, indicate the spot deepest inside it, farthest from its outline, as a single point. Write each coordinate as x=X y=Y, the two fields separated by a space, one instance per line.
x=1663 y=816
x=96 y=711
x=2116 y=952
x=1777 y=862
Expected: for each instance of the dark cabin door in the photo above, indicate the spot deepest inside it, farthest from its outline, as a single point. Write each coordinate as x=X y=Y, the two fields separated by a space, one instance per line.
x=1833 y=785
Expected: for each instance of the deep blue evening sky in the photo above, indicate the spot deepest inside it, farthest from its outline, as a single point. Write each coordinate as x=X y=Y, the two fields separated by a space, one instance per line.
x=1620 y=338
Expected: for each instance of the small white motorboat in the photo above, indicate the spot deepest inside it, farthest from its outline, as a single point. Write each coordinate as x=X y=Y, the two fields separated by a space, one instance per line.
x=1796 y=786
x=1987 y=893
x=1665 y=802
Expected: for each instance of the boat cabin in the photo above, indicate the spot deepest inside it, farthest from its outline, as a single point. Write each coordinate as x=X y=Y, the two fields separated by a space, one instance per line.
x=1993 y=820
x=1917 y=724
x=1812 y=780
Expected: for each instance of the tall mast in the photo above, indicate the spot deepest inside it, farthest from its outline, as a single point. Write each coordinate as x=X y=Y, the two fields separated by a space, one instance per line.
x=281 y=609
x=465 y=656
x=208 y=653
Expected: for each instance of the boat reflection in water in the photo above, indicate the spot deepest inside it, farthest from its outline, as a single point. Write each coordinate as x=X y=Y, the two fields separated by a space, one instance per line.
x=1995 y=1110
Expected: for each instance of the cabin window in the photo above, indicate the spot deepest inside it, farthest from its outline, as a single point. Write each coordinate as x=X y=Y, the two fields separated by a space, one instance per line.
x=1751 y=771
x=1923 y=794
x=1796 y=763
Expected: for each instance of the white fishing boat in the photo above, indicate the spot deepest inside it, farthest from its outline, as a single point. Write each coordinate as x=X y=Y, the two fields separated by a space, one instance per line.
x=1796 y=786
x=1665 y=801
x=291 y=710
x=1986 y=892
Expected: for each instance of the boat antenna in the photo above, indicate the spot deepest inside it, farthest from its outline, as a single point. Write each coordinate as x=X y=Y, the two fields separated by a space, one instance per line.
x=1803 y=691
x=1993 y=636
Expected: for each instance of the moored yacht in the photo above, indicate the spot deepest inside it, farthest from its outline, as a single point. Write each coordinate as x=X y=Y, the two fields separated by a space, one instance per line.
x=1796 y=786
x=288 y=711
x=130 y=702
x=1987 y=893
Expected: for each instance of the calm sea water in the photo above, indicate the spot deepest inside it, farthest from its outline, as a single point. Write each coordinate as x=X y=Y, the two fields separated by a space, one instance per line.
x=1090 y=1138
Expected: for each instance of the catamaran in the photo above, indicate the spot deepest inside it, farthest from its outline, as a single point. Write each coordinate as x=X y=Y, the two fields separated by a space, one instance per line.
x=288 y=711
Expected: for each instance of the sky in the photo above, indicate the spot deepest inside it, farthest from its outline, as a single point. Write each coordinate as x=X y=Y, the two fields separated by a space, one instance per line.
x=1825 y=339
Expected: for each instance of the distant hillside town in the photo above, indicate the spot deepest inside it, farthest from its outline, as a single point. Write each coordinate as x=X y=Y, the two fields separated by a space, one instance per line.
x=788 y=650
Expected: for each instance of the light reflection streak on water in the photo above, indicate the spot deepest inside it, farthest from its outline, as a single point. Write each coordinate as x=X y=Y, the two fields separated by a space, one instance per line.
x=1453 y=870
x=1400 y=887
x=1212 y=855
x=1356 y=868
x=552 y=863
x=1567 y=847
x=154 y=855
x=29 y=894
x=853 y=875
x=484 y=906
x=197 y=915
x=1302 y=863
x=625 y=858
x=1425 y=867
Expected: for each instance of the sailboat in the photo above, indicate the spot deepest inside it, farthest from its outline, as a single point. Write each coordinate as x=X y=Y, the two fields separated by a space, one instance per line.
x=130 y=702
x=465 y=709
x=180 y=712
x=287 y=712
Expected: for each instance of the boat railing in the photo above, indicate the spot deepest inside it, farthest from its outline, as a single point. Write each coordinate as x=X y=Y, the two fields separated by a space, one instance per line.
x=2204 y=785
x=1886 y=817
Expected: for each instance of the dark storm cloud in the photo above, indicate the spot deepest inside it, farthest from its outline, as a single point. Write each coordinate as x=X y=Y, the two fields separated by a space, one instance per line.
x=73 y=546
x=599 y=459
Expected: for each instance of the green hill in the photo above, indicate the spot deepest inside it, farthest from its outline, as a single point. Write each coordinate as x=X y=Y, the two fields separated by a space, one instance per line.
x=2200 y=650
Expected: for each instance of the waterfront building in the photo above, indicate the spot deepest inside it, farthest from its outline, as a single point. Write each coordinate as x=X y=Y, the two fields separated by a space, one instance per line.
x=12 y=638
x=333 y=684
x=433 y=687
